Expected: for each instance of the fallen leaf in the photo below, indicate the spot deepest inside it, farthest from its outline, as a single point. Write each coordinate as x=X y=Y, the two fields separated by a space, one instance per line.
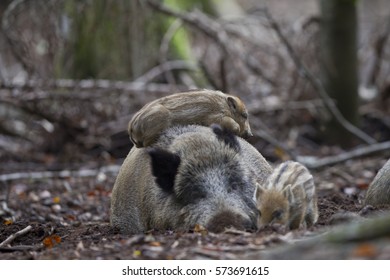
x=51 y=241
x=56 y=199
x=8 y=222
x=365 y=250
x=362 y=184
x=200 y=229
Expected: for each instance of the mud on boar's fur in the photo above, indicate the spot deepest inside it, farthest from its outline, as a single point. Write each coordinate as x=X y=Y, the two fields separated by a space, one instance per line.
x=192 y=175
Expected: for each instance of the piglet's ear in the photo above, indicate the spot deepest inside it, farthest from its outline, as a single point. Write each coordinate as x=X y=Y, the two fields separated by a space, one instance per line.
x=232 y=103
x=164 y=168
x=259 y=190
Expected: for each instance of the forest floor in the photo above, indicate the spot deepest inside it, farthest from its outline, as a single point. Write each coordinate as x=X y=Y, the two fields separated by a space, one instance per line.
x=69 y=219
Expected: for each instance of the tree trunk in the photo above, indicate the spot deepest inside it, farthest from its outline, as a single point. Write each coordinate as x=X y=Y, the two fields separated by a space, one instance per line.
x=339 y=61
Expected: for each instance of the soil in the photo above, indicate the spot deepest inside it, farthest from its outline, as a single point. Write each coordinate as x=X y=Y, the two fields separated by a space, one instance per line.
x=70 y=220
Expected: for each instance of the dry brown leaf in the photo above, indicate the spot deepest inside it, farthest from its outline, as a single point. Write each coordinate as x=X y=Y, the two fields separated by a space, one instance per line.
x=8 y=222
x=51 y=241
x=200 y=229
x=365 y=250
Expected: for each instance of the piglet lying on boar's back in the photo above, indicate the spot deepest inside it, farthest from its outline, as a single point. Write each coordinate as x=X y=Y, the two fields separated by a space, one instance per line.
x=192 y=175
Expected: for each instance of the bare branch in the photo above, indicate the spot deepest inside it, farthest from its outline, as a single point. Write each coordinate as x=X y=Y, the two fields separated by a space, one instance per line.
x=91 y=85
x=316 y=83
x=59 y=174
x=212 y=29
x=164 y=47
x=315 y=163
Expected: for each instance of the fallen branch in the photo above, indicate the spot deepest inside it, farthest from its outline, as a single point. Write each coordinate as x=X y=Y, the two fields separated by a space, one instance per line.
x=305 y=73
x=314 y=163
x=12 y=237
x=59 y=174
x=91 y=85
x=367 y=229
x=22 y=248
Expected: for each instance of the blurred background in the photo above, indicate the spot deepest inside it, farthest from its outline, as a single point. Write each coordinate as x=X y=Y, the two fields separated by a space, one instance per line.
x=314 y=75
x=74 y=72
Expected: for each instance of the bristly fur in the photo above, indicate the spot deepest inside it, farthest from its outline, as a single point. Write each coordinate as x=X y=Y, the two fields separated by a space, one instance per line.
x=189 y=177
x=226 y=136
x=378 y=192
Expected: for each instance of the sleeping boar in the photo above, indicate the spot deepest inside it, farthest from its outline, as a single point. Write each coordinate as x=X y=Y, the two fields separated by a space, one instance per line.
x=193 y=175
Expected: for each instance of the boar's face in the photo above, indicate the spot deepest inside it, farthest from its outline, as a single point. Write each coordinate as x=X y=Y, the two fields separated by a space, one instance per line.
x=208 y=184
x=214 y=194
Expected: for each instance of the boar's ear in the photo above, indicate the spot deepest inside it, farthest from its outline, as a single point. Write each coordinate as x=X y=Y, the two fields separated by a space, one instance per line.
x=164 y=168
x=226 y=136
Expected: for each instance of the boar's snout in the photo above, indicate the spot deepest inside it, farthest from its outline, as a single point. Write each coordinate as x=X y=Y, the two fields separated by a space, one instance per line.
x=227 y=219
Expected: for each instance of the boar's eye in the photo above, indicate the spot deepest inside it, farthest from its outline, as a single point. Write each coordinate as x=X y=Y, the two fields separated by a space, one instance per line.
x=244 y=115
x=277 y=214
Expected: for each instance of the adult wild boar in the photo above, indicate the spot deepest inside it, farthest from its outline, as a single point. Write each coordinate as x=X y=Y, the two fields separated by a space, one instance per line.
x=192 y=175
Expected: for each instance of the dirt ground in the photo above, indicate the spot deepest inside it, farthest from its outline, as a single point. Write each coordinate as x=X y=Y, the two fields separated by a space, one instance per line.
x=69 y=219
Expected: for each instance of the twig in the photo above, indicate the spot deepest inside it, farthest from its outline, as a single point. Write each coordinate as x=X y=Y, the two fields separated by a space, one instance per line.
x=4 y=209
x=164 y=68
x=164 y=47
x=12 y=237
x=314 y=163
x=59 y=174
x=22 y=248
x=305 y=73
